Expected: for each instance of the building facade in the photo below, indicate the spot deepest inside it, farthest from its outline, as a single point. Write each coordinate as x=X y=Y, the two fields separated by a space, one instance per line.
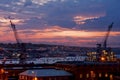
x=45 y=74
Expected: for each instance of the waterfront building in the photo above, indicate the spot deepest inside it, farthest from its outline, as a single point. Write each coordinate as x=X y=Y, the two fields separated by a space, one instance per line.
x=45 y=74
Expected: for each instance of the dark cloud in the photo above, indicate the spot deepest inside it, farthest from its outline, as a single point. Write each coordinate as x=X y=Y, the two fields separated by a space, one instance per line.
x=61 y=13
x=112 y=15
x=33 y=23
x=28 y=3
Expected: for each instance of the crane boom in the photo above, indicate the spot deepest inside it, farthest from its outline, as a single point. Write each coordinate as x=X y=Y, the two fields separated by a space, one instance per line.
x=15 y=32
x=107 y=35
x=20 y=45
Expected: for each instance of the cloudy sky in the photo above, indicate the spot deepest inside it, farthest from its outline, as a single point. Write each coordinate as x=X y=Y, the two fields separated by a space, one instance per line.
x=66 y=22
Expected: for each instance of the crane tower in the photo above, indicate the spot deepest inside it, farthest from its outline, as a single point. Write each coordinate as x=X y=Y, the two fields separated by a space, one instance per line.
x=21 y=46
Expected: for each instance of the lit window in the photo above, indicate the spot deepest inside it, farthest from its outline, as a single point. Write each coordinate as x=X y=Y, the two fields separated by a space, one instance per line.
x=22 y=77
x=92 y=73
x=80 y=75
x=111 y=77
x=106 y=75
x=26 y=78
x=87 y=75
x=35 y=78
x=100 y=75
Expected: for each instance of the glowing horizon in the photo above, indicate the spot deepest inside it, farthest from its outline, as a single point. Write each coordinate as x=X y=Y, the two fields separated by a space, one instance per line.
x=57 y=35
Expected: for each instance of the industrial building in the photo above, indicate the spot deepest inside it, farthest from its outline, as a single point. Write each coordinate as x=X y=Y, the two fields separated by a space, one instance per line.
x=45 y=74
x=83 y=70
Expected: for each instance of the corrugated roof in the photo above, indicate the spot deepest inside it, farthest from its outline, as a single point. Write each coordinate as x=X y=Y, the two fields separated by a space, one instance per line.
x=46 y=72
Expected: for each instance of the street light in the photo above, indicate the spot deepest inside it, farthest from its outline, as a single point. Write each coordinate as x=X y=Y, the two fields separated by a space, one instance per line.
x=35 y=78
x=2 y=72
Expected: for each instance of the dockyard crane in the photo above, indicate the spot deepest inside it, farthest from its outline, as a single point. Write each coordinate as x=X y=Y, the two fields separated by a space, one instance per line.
x=107 y=35
x=15 y=32
x=103 y=53
x=20 y=45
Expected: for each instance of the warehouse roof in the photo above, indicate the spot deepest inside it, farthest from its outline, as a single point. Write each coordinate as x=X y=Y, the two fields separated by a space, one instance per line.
x=46 y=72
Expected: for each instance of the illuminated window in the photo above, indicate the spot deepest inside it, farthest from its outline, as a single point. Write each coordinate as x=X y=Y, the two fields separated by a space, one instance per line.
x=22 y=77
x=35 y=78
x=92 y=73
x=103 y=51
x=111 y=77
x=26 y=78
x=100 y=75
x=106 y=75
x=81 y=75
x=87 y=75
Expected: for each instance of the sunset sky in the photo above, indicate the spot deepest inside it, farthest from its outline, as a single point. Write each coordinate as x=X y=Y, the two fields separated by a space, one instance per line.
x=64 y=22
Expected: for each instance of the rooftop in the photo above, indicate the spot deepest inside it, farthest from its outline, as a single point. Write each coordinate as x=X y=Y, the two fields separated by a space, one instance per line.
x=45 y=72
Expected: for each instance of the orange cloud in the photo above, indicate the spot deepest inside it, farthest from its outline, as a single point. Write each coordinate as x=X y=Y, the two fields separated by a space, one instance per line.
x=6 y=22
x=80 y=19
x=56 y=35
x=64 y=32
